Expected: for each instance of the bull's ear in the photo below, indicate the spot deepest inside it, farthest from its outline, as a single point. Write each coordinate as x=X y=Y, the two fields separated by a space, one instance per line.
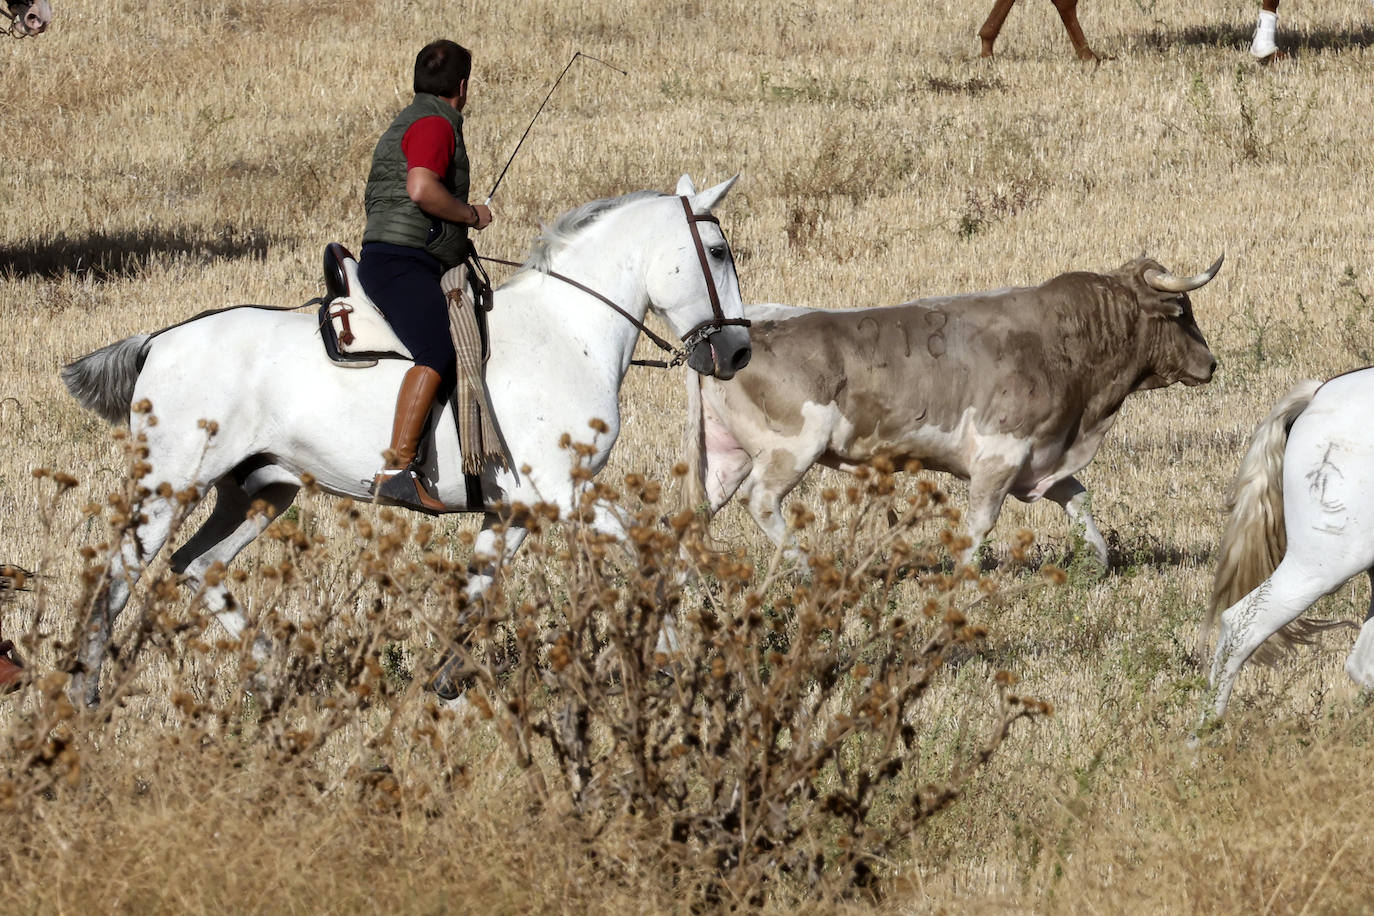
x=1162 y=305
x=709 y=199
x=685 y=188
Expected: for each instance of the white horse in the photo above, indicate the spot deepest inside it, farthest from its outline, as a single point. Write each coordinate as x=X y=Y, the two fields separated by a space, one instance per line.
x=284 y=410
x=1302 y=523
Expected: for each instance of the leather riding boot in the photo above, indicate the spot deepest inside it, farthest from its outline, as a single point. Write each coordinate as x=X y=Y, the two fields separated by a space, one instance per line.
x=11 y=671
x=397 y=482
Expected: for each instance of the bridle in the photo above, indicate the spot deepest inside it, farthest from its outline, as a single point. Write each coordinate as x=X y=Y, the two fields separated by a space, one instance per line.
x=12 y=12
x=695 y=335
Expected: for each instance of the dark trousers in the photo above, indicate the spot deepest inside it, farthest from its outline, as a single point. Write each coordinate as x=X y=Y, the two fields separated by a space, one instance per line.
x=404 y=283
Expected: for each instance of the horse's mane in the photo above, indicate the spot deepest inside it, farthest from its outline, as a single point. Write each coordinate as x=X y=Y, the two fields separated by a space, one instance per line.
x=556 y=236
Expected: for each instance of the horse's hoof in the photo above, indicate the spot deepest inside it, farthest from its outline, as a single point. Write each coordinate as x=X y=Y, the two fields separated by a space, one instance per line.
x=1273 y=58
x=448 y=683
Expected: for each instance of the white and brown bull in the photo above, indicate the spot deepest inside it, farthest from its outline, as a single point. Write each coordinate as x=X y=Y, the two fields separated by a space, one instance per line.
x=1012 y=390
x=27 y=17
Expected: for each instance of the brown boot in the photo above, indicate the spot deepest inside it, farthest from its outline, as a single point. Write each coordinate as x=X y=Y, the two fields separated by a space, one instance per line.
x=398 y=482
x=11 y=671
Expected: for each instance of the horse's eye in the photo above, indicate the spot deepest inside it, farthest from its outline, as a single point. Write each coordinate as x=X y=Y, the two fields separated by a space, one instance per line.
x=718 y=251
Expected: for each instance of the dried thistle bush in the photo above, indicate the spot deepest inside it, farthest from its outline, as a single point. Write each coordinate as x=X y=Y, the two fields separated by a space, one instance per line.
x=758 y=736
x=747 y=735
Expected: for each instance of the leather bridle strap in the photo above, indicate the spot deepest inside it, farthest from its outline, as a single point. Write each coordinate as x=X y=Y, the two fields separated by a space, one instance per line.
x=692 y=337
x=643 y=328
x=718 y=319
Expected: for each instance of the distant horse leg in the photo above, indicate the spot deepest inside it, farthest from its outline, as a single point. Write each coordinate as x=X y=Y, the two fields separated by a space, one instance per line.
x=1360 y=663
x=1068 y=11
x=136 y=549
x=1072 y=496
x=1262 y=45
x=993 y=27
x=232 y=526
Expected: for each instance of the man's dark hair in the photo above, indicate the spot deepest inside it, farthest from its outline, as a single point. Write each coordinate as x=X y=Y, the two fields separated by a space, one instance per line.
x=440 y=66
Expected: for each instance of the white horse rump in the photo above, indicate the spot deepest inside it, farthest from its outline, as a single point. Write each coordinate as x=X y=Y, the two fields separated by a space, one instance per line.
x=284 y=410
x=1301 y=525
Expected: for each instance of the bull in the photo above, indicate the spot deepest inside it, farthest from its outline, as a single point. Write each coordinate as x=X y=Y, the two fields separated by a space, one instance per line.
x=1012 y=390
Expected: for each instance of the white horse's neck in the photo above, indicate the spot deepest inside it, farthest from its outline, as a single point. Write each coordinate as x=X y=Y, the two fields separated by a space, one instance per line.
x=608 y=257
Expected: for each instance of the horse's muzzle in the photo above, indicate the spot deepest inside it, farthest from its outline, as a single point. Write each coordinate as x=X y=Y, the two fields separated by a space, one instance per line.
x=722 y=353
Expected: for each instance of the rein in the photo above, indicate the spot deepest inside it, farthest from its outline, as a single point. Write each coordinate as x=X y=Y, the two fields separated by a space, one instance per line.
x=12 y=12
x=694 y=336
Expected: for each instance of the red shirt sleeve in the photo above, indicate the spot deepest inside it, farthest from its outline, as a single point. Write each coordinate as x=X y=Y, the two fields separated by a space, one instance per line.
x=428 y=143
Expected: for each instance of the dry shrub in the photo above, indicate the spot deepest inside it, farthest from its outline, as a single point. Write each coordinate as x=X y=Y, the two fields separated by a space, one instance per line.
x=684 y=727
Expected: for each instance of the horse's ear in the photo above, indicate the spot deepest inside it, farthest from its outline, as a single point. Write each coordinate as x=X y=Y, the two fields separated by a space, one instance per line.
x=685 y=188
x=709 y=199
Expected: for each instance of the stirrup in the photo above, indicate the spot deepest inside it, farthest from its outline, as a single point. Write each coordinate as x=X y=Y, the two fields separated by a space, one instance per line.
x=404 y=488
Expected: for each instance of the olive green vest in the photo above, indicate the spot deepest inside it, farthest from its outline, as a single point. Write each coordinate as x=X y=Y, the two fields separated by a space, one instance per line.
x=391 y=215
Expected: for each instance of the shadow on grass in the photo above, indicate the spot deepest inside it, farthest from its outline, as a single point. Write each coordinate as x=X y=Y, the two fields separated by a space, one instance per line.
x=1237 y=36
x=106 y=256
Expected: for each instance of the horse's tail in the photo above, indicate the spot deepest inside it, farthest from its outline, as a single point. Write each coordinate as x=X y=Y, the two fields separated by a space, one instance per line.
x=1255 y=540
x=694 y=496
x=103 y=381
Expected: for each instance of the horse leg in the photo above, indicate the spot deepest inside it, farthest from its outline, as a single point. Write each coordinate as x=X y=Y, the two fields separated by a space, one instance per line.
x=1072 y=497
x=1068 y=12
x=487 y=558
x=1360 y=663
x=1263 y=46
x=993 y=26
x=232 y=526
x=1299 y=581
x=136 y=549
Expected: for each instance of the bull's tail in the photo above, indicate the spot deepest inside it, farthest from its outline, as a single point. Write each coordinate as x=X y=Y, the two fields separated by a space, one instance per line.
x=1255 y=540
x=694 y=496
x=103 y=381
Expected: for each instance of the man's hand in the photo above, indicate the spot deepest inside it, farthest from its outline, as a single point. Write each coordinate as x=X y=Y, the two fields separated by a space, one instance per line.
x=428 y=191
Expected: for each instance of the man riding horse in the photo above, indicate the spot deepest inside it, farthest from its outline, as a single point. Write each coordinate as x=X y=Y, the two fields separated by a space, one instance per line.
x=418 y=219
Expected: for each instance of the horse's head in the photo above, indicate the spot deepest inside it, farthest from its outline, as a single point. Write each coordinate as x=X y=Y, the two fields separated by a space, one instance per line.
x=28 y=17
x=694 y=287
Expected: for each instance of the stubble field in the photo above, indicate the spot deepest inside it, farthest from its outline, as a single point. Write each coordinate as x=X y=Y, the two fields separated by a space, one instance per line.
x=162 y=159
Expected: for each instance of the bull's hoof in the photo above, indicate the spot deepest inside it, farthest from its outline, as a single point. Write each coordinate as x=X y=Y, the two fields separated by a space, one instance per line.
x=11 y=670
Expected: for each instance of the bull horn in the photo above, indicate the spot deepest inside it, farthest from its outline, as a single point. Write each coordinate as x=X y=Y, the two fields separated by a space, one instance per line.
x=1166 y=282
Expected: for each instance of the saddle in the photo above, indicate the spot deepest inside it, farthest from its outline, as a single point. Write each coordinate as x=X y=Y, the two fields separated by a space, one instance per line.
x=356 y=335
x=355 y=332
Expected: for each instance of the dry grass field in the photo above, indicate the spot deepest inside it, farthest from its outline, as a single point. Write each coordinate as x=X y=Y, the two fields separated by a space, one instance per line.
x=165 y=158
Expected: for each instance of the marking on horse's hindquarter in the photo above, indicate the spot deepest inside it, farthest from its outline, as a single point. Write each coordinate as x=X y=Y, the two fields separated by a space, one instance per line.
x=1318 y=482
